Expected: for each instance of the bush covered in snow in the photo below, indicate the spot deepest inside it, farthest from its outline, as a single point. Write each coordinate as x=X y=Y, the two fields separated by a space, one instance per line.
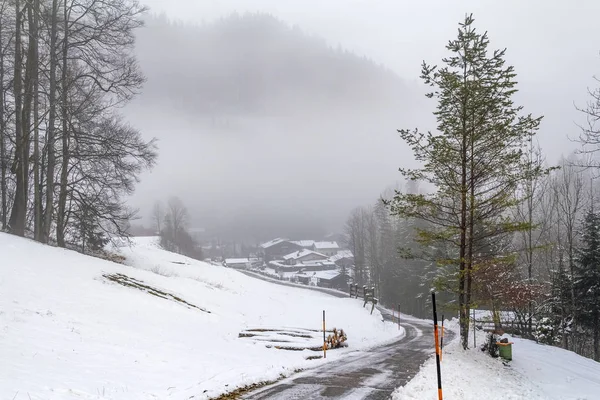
x=547 y=332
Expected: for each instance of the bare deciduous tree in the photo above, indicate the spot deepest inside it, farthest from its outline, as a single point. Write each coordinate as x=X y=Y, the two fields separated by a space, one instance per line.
x=19 y=168
x=158 y=215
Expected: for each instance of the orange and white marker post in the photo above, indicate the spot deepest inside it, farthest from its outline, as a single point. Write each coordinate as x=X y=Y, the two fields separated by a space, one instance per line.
x=324 y=340
x=437 y=348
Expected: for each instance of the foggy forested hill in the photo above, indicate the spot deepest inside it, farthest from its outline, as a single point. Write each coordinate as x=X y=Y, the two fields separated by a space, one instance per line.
x=273 y=131
x=254 y=64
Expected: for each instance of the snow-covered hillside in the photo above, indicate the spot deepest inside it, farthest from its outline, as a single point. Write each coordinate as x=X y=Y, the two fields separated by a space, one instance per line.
x=537 y=372
x=69 y=332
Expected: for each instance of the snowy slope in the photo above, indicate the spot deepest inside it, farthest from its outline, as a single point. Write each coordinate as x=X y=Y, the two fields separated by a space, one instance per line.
x=66 y=332
x=537 y=372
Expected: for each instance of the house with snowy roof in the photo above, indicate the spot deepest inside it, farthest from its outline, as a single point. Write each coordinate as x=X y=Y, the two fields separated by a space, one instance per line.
x=237 y=263
x=303 y=255
x=281 y=266
x=329 y=279
x=327 y=248
x=307 y=244
x=277 y=248
x=343 y=258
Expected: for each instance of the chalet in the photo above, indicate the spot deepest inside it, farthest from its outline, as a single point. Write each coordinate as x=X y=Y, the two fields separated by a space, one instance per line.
x=343 y=258
x=242 y=263
x=301 y=256
x=328 y=279
x=277 y=248
x=317 y=265
x=301 y=277
x=306 y=244
x=237 y=263
x=327 y=248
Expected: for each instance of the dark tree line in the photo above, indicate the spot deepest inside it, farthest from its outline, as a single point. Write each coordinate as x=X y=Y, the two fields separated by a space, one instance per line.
x=67 y=158
x=255 y=64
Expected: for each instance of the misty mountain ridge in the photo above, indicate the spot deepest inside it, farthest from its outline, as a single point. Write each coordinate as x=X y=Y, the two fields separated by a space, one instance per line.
x=255 y=64
x=278 y=132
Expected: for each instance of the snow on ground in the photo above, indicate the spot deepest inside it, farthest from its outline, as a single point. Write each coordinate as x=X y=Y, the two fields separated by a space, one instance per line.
x=537 y=372
x=66 y=332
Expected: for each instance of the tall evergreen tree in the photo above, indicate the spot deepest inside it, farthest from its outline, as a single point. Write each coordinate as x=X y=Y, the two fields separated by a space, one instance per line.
x=475 y=161
x=587 y=279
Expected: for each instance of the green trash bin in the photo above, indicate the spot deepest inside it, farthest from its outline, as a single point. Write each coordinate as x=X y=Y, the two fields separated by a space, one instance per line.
x=505 y=350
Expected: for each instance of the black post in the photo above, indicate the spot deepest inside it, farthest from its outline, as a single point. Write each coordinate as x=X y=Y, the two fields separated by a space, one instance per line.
x=437 y=349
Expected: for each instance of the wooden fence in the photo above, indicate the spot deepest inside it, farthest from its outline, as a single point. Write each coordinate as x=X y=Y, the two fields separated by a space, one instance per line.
x=511 y=326
x=366 y=293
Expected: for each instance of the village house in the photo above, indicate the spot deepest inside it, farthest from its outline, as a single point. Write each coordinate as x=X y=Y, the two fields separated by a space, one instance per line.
x=328 y=279
x=343 y=259
x=327 y=248
x=306 y=244
x=302 y=256
x=237 y=263
x=277 y=248
x=316 y=265
x=242 y=263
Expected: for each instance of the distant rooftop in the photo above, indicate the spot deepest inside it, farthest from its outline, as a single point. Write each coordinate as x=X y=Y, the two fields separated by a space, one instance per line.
x=273 y=243
x=300 y=265
x=327 y=275
x=342 y=254
x=301 y=253
x=326 y=245
x=304 y=243
x=237 y=260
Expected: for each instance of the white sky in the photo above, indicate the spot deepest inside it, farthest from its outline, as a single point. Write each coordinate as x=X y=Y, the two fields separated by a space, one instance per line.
x=554 y=45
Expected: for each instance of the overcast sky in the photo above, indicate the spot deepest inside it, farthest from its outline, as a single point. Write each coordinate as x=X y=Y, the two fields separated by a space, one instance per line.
x=554 y=46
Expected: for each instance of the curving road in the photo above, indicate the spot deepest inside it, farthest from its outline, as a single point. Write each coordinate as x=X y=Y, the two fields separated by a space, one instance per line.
x=368 y=374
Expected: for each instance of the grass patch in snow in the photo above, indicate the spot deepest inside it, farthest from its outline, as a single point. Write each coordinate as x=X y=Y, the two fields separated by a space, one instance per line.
x=296 y=339
x=238 y=393
x=127 y=281
x=157 y=269
x=314 y=357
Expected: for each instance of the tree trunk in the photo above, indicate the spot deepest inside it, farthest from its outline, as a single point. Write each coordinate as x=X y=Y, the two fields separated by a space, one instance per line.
x=462 y=299
x=62 y=197
x=596 y=336
x=18 y=213
x=471 y=239
x=37 y=198
x=49 y=209
x=28 y=96
x=3 y=156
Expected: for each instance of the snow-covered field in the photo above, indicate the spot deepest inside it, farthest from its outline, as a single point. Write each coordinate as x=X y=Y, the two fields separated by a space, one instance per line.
x=67 y=332
x=537 y=372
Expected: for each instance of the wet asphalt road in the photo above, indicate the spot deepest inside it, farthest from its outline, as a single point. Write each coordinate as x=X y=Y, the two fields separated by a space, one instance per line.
x=367 y=374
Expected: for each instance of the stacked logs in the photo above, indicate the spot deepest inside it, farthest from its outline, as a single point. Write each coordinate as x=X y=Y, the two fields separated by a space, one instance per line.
x=336 y=340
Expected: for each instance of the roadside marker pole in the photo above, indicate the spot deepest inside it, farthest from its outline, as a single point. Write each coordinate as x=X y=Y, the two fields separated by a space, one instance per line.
x=398 y=316
x=474 y=334
x=442 y=340
x=437 y=349
x=324 y=340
